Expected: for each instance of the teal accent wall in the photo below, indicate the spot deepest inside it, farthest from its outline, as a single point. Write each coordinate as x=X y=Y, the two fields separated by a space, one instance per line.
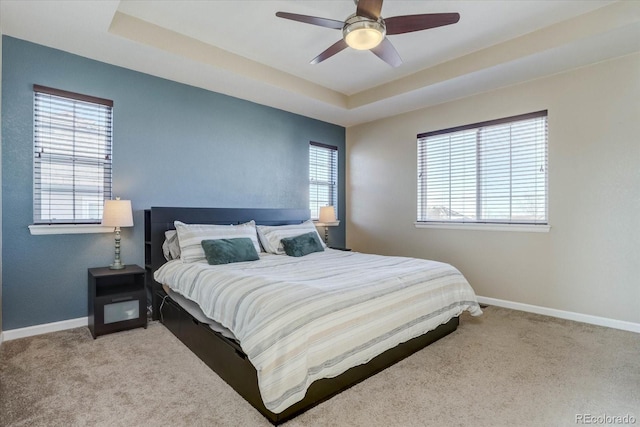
x=173 y=145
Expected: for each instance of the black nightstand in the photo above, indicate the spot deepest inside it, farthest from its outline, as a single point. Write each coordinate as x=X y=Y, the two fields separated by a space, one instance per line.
x=117 y=299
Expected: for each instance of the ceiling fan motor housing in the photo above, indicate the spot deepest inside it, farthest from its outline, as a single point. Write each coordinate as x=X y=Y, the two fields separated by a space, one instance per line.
x=363 y=33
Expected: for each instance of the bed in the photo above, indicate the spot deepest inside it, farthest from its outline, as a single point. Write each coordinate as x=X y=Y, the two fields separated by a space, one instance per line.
x=287 y=333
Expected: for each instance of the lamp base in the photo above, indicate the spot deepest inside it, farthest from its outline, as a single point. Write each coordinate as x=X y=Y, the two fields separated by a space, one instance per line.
x=117 y=266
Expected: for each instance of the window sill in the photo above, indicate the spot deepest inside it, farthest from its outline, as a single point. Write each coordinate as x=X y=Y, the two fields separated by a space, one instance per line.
x=487 y=227
x=42 y=229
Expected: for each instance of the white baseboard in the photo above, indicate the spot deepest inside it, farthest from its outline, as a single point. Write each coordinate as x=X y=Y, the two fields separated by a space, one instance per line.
x=29 y=331
x=569 y=315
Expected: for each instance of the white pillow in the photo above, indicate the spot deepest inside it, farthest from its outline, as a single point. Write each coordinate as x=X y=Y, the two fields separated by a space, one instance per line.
x=190 y=237
x=270 y=235
x=170 y=246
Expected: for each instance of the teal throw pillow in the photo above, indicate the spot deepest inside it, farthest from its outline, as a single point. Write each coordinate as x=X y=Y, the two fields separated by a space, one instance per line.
x=226 y=251
x=302 y=245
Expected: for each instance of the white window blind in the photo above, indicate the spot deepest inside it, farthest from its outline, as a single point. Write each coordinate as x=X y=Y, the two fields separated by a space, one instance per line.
x=491 y=172
x=323 y=177
x=72 y=157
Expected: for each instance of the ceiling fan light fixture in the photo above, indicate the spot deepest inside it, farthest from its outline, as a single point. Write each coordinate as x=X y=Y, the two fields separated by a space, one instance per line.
x=367 y=30
x=362 y=33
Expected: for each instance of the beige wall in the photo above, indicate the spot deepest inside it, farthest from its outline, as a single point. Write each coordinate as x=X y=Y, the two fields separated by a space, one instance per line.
x=589 y=262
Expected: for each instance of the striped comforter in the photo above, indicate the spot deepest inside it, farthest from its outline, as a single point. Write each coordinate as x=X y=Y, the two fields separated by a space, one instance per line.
x=302 y=319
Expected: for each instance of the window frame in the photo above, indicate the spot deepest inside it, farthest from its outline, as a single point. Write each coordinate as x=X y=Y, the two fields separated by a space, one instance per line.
x=68 y=225
x=503 y=224
x=332 y=170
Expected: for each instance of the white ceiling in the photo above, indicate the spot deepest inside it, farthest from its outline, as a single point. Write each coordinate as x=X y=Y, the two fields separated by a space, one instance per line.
x=242 y=49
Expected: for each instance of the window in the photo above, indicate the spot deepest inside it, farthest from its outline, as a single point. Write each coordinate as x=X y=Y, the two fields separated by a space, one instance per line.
x=72 y=157
x=323 y=177
x=492 y=172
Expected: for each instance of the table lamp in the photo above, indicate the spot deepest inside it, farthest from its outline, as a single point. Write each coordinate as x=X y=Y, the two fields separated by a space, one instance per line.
x=117 y=213
x=327 y=219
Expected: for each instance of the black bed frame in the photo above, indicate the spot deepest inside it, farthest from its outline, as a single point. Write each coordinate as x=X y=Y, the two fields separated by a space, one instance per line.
x=225 y=356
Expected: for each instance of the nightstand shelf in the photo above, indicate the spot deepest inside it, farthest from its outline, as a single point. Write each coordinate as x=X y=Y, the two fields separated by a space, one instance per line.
x=117 y=299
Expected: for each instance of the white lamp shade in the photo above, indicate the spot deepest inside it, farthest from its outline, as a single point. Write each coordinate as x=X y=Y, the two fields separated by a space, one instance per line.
x=328 y=216
x=117 y=213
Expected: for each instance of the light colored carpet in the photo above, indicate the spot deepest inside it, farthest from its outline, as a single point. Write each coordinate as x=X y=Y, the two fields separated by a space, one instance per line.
x=505 y=368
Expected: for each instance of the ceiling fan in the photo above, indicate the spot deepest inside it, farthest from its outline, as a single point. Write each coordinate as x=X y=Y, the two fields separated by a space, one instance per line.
x=367 y=30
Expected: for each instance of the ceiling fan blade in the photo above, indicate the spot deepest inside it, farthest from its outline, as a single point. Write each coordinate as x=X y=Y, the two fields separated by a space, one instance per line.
x=410 y=23
x=387 y=53
x=369 y=8
x=313 y=20
x=332 y=50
